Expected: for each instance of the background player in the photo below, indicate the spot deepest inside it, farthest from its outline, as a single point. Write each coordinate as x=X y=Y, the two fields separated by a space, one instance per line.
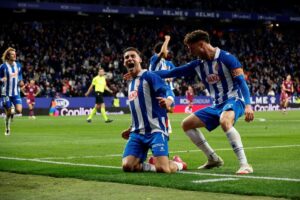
x=11 y=81
x=189 y=94
x=159 y=62
x=31 y=90
x=287 y=90
x=99 y=83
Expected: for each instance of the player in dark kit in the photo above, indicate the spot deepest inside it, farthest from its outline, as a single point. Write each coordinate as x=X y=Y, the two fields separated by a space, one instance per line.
x=31 y=90
x=287 y=90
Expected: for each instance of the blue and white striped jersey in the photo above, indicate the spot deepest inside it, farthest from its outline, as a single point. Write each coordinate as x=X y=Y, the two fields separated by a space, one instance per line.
x=216 y=75
x=13 y=74
x=157 y=64
x=147 y=116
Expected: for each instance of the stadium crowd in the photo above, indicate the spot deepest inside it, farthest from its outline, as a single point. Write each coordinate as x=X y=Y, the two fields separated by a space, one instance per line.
x=63 y=56
x=257 y=6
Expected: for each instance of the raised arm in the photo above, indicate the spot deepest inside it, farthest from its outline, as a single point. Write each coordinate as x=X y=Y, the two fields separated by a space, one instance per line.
x=164 y=48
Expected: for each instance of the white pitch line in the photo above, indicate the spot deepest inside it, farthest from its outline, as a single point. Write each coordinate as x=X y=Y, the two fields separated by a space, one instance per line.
x=171 y=152
x=182 y=172
x=59 y=163
x=243 y=176
x=215 y=180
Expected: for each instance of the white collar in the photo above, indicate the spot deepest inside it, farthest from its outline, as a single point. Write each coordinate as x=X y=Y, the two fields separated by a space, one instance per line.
x=217 y=54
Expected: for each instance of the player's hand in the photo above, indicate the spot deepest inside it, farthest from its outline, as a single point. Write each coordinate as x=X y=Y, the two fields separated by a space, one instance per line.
x=127 y=76
x=125 y=134
x=164 y=102
x=86 y=94
x=167 y=37
x=3 y=79
x=249 y=114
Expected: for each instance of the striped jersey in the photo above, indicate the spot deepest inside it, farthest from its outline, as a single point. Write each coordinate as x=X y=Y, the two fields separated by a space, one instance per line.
x=157 y=64
x=216 y=75
x=13 y=74
x=147 y=116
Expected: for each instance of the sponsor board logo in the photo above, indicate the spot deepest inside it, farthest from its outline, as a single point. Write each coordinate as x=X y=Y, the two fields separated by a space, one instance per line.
x=62 y=103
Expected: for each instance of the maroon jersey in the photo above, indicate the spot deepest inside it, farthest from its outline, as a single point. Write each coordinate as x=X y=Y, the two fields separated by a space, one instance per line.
x=31 y=90
x=189 y=96
x=288 y=87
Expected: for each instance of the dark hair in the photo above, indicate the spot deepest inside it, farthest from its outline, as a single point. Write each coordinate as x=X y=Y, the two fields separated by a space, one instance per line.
x=157 y=47
x=196 y=36
x=132 y=49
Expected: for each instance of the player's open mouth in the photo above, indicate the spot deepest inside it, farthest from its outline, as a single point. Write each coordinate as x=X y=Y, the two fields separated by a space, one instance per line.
x=130 y=65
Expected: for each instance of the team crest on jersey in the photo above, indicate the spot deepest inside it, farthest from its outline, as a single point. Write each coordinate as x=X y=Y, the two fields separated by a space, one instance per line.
x=132 y=95
x=14 y=75
x=213 y=78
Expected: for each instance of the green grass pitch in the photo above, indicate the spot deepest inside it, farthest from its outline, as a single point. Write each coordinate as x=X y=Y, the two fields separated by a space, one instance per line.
x=70 y=147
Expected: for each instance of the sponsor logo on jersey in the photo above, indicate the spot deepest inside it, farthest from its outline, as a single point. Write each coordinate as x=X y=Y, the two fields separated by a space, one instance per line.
x=213 y=78
x=132 y=95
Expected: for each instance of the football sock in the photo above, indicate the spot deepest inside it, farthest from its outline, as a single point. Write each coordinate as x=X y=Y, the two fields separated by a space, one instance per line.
x=7 y=122
x=92 y=113
x=104 y=114
x=31 y=112
x=199 y=140
x=147 y=167
x=179 y=165
x=169 y=126
x=235 y=141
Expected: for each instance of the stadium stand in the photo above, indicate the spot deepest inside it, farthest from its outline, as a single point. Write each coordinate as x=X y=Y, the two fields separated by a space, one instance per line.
x=62 y=51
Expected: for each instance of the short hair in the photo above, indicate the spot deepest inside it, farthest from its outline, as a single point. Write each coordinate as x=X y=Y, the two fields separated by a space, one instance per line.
x=132 y=49
x=157 y=47
x=196 y=36
x=6 y=54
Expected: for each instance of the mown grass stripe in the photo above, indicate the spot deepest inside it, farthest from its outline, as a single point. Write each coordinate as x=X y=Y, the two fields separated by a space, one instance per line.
x=183 y=172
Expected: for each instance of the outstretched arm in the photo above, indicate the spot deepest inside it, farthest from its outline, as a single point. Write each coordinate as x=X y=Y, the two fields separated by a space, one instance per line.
x=183 y=70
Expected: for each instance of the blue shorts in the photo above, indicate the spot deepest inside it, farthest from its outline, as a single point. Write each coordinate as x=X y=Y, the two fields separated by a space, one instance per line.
x=138 y=145
x=210 y=116
x=8 y=101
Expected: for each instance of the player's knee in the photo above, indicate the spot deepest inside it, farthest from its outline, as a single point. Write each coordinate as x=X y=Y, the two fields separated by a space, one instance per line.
x=226 y=123
x=127 y=167
x=185 y=125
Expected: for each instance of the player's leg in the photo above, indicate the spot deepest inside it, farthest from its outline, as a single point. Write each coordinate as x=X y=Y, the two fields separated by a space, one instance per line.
x=160 y=150
x=30 y=107
x=103 y=113
x=17 y=101
x=227 y=120
x=286 y=103
x=131 y=164
x=93 y=112
x=198 y=120
x=7 y=104
x=135 y=154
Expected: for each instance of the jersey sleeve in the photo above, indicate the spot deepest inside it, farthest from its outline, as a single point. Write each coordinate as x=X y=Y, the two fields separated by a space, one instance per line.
x=20 y=76
x=230 y=61
x=153 y=62
x=2 y=71
x=94 y=81
x=171 y=65
x=158 y=84
x=183 y=70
